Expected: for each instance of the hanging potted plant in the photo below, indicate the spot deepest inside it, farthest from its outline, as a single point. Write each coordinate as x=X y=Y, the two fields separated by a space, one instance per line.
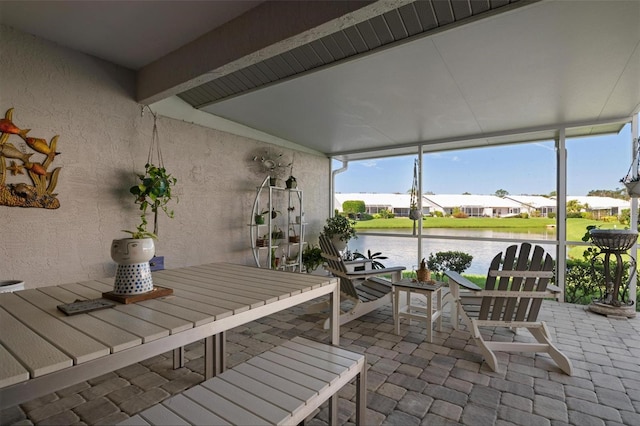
x=133 y=254
x=632 y=179
x=414 y=212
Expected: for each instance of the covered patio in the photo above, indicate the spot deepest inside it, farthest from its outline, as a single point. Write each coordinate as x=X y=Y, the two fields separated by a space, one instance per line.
x=410 y=382
x=393 y=78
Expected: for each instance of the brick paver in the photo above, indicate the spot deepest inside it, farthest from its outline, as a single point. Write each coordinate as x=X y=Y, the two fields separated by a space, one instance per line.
x=409 y=382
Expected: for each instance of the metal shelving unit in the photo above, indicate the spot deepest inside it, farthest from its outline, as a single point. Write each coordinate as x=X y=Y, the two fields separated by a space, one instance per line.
x=268 y=250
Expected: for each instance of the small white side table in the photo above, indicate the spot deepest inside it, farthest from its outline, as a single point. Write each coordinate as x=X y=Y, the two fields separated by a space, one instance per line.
x=429 y=313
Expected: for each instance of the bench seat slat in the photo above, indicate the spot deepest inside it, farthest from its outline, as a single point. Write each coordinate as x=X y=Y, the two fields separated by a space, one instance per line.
x=302 y=367
x=327 y=348
x=254 y=404
x=284 y=372
x=224 y=408
x=285 y=384
x=162 y=416
x=193 y=412
x=313 y=361
x=269 y=393
x=319 y=354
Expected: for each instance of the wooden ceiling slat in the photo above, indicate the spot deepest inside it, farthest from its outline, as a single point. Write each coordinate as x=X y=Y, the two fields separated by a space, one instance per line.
x=369 y=35
x=443 y=11
x=383 y=32
x=394 y=21
x=342 y=40
x=410 y=18
x=321 y=50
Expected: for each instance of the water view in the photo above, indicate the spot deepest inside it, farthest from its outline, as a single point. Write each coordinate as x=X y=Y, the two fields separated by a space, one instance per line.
x=402 y=250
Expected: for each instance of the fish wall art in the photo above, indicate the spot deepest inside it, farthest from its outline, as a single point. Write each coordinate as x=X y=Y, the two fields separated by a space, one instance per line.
x=26 y=161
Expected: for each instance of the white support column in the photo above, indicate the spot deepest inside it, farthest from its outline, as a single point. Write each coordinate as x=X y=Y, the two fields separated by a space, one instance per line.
x=420 y=154
x=332 y=183
x=561 y=217
x=633 y=220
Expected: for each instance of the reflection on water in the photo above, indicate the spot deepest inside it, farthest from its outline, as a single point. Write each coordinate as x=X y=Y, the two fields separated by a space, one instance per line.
x=403 y=251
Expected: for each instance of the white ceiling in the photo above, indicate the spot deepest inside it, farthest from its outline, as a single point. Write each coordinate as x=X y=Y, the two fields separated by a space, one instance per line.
x=527 y=70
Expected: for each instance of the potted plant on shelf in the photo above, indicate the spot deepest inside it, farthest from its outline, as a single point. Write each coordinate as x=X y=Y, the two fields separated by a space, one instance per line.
x=632 y=179
x=312 y=258
x=340 y=230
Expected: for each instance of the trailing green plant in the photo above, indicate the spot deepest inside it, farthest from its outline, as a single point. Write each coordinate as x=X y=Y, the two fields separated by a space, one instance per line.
x=374 y=257
x=341 y=227
x=448 y=261
x=154 y=193
x=312 y=258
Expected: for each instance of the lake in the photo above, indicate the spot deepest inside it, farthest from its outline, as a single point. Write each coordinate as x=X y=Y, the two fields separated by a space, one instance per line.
x=402 y=250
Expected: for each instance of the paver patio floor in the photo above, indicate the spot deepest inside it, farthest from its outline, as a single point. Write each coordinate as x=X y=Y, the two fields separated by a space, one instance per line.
x=410 y=382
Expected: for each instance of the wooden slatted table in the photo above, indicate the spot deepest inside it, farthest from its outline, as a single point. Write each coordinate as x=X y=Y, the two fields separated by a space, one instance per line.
x=43 y=350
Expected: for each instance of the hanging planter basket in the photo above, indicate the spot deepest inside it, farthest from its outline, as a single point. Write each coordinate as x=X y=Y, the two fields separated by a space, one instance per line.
x=414 y=214
x=632 y=180
x=414 y=210
x=633 y=188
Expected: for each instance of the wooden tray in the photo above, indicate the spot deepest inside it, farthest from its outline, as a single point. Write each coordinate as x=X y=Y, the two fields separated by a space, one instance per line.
x=156 y=292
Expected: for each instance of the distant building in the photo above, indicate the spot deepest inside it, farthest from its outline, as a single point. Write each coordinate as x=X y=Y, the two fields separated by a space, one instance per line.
x=475 y=205
x=600 y=207
x=480 y=205
x=398 y=204
x=535 y=205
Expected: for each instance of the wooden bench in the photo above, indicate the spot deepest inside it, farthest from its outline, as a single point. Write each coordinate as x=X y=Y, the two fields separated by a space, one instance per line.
x=282 y=386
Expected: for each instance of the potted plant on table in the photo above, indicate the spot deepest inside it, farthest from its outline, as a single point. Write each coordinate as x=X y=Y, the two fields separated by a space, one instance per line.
x=340 y=230
x=133 y=254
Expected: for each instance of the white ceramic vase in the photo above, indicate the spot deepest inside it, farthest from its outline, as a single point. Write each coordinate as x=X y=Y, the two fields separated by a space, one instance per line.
x=11 y=286
x=133 y=275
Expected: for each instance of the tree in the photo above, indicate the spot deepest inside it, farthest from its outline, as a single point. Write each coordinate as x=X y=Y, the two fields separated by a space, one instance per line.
x=573 y=206
x=501 y=193
x=354 y=206
x=619 y=193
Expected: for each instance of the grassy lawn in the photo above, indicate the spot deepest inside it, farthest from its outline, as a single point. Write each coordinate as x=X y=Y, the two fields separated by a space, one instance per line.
x=575 y=227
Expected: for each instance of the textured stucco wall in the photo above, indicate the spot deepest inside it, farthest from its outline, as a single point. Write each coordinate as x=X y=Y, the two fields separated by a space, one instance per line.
x=104 y=141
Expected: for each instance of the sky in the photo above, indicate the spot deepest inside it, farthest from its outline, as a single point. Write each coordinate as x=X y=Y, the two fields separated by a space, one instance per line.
x=597 y=162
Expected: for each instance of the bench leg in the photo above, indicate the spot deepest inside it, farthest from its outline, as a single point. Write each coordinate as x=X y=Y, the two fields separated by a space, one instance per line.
x=214 y=355
x=178 y=357
x=361 y=396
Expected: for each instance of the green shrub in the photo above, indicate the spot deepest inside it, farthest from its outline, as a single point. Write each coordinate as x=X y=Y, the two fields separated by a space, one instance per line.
x=448 y=261
x=437 y=213
x=354 y=206
x=365 y=216
x=386 y=214
x=551 y=215
x=625 y=217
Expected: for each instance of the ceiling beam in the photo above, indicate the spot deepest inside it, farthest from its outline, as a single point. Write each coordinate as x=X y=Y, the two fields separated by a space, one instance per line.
x=267 y=30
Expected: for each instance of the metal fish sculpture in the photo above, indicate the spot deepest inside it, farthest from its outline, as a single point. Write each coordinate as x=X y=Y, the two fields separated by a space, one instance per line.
x=35 y=168
x=6 y=126
x=41 y=145
x=10 y=151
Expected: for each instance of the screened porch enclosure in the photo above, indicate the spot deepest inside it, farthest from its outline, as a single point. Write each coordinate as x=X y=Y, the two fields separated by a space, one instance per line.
x=557 y=170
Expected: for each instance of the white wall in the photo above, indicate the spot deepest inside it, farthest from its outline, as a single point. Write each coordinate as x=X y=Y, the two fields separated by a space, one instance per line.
x=103 y=143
